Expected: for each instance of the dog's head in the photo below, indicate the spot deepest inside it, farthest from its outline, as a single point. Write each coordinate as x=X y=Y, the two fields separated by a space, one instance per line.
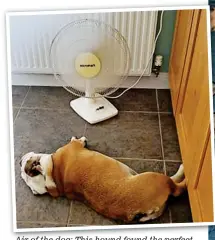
x=30 y=164
x=31 y=172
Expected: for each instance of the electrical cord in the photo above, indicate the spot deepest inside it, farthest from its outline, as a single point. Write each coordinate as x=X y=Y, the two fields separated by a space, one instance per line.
x=160 y=29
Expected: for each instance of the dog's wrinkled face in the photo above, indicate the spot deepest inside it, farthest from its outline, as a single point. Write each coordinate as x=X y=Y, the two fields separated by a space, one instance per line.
x=31 y=172
x=31 y=164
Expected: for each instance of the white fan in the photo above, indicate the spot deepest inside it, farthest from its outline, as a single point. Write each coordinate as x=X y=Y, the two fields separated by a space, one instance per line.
x=91 y=59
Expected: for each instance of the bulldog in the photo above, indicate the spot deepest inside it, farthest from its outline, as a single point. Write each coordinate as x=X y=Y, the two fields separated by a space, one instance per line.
x=108 y=186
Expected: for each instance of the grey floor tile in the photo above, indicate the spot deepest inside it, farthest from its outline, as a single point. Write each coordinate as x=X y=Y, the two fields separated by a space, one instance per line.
x=18 y=94
x=45 y=129
x=141 y=166
x=179 y=206
x=129 y=135
x=164 y=100
x=172 y=168
x=21 y=224
x=82 y=214
x=48 y=97
x=136 y=100
x=39 y=208
x=15 y=111
x=170 y=137
x=180 y=209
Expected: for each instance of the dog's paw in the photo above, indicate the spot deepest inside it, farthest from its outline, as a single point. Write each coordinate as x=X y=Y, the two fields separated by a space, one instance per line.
x=84 y=141
x=73 y=138
x=51 y=188
x=50 y=183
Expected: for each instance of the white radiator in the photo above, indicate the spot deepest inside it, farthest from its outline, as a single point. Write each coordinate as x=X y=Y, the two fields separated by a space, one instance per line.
x=31 y=36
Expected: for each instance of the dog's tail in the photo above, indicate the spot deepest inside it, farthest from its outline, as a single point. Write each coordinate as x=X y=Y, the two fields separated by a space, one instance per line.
x=178 y=183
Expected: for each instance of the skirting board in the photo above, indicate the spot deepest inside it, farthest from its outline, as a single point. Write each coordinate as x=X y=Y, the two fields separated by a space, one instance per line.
x=160 y=82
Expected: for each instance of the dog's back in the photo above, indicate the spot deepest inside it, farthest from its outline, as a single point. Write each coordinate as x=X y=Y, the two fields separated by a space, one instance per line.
x=108 y=186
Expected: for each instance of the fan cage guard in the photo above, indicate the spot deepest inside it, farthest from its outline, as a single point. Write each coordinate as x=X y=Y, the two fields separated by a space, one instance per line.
x=116 y=35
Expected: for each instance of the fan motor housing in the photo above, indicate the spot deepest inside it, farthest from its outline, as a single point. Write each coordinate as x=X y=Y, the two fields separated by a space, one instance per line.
x=87 y=65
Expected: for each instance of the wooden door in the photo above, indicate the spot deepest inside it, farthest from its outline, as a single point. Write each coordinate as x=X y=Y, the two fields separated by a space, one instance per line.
x=192 y=114
x=179 y=50
x=200 y=188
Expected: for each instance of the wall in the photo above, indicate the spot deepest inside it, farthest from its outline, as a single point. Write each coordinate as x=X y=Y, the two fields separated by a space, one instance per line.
x=164 y=42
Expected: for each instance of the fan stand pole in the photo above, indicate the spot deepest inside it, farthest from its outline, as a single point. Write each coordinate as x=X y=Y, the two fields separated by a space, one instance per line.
x=89 y=93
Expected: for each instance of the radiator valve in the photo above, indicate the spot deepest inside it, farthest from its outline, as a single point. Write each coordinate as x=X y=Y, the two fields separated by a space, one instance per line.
x=157 y=65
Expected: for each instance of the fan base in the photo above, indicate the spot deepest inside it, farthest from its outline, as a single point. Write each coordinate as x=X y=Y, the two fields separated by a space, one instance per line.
x=93 y=110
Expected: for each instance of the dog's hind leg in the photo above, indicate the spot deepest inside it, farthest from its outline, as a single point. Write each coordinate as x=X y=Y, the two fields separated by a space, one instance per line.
x=179 y=176
x=83 y=140
x=178 y=188
x=178 y=182
x=73 y=138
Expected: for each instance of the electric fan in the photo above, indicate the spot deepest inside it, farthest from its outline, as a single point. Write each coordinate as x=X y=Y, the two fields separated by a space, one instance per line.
x=92 y=60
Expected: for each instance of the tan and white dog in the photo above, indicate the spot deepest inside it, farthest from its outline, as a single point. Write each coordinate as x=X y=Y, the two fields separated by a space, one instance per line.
x=106 y=185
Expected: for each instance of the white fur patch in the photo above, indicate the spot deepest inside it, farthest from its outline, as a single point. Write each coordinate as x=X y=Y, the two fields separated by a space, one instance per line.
x=36 y=183
x=153 y=214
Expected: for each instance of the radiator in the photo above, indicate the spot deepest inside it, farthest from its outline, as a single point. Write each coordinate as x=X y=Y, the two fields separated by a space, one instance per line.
x=31 y=36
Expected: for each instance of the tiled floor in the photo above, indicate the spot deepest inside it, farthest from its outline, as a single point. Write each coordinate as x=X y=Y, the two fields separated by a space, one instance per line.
x=143 y=136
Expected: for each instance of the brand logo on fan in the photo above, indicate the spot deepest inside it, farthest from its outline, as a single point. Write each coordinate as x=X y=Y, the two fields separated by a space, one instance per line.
x=87 y=65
